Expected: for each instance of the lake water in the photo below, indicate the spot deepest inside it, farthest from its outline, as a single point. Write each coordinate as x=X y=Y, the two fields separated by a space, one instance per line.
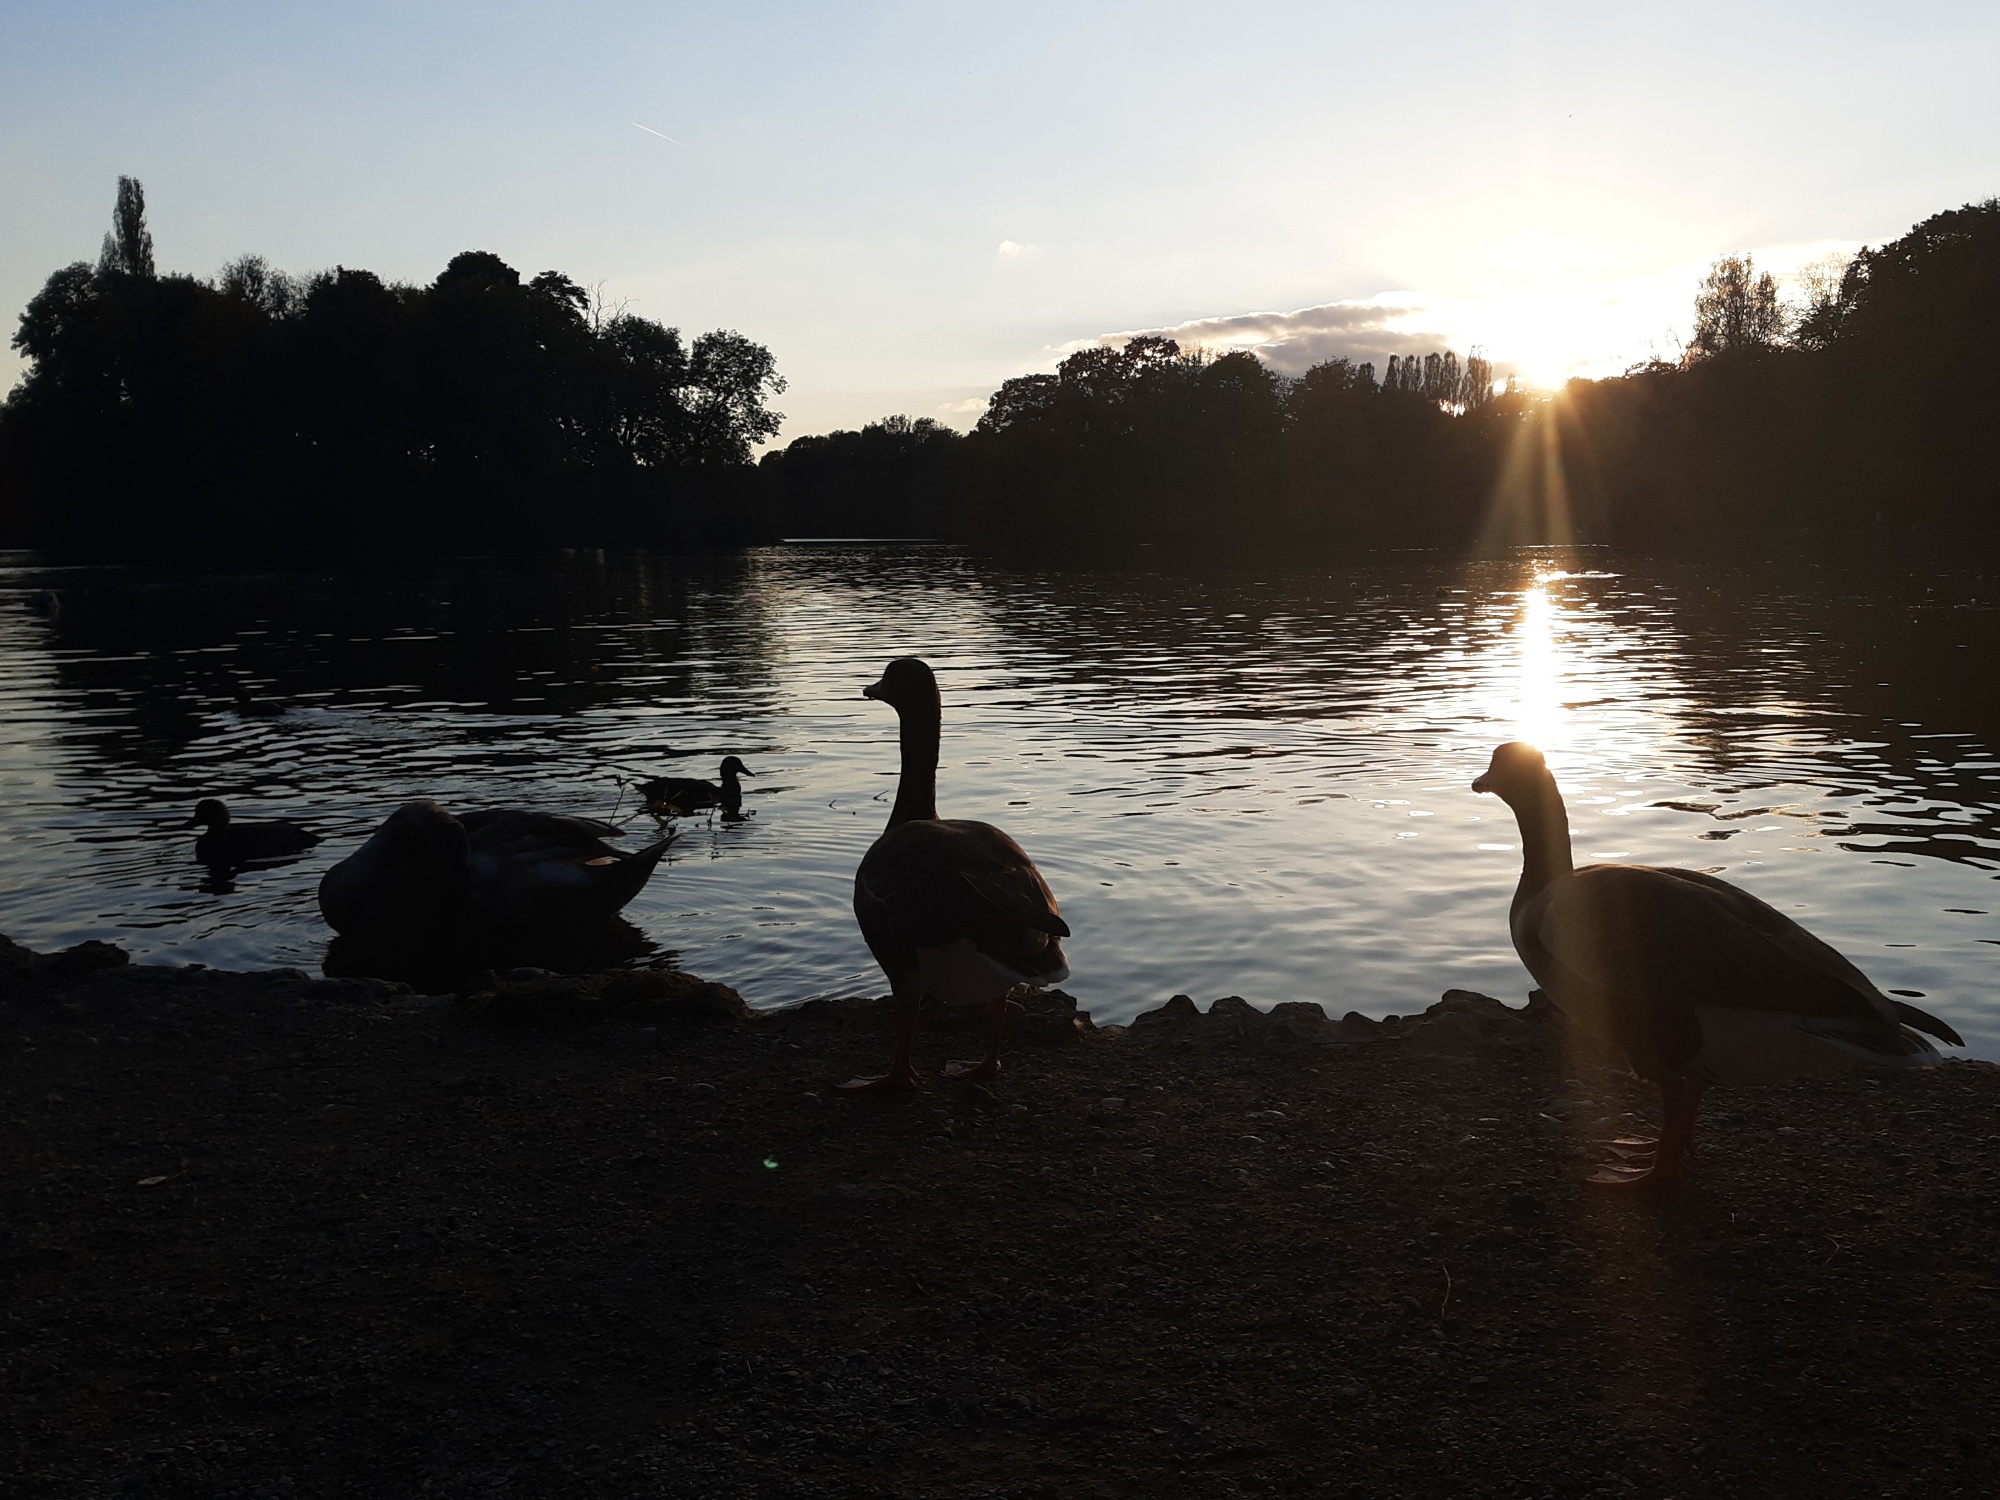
x=1237 y=783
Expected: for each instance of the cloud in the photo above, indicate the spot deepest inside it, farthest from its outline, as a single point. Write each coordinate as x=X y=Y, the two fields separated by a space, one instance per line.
x=971 y=406
x=1015 y=250
x=1371 y=328
x=1544 y=328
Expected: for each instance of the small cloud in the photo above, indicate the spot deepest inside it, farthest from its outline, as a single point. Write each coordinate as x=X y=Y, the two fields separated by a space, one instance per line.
x=966 y=408
x=1015 y=250
x=1370 y=328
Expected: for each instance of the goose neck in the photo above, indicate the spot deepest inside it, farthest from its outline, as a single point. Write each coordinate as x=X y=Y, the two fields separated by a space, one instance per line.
x=916 y=789
x=1545 y=848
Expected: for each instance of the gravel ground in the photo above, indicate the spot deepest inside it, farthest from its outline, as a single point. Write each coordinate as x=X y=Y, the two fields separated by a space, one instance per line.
x=270 y=1236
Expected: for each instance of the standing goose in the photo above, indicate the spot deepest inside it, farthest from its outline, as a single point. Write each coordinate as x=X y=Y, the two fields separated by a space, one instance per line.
x=951 y=909
x=1697 y=981
x=676 y=796
x=230 y=843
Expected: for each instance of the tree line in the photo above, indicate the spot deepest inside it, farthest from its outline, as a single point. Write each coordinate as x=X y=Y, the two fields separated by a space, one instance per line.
x=1875 y=404
x=342 y=414
x=262 y=414
x=1871 y=404
x=1151 y=443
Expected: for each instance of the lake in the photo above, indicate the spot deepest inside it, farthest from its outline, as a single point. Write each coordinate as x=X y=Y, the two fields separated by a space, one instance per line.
x=1248 y=783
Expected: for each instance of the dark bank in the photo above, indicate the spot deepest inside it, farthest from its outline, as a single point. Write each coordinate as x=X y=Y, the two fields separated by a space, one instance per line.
x=267 y=1235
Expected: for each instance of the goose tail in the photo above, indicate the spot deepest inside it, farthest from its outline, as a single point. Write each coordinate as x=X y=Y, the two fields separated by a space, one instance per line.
x=1924 y=1021
x=618 y=883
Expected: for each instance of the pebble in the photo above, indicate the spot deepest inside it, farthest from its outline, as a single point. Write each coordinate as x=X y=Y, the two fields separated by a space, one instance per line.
x=701 y=1088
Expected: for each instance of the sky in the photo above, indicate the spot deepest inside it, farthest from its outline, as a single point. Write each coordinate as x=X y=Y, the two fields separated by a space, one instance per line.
x=911 y=203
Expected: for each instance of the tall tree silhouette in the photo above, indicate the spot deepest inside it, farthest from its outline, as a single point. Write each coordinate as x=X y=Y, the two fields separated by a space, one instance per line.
x=128 y=247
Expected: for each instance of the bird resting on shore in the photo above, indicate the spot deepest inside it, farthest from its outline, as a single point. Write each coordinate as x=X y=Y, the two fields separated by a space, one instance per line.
x=425 y=873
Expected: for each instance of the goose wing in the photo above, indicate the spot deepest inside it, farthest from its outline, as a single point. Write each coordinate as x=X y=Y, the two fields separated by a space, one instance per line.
x=1680 y=938
x=931 y=882
x=519 y=830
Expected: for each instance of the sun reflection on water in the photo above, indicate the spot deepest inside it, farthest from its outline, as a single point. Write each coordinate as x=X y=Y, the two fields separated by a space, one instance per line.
x=1539 y=714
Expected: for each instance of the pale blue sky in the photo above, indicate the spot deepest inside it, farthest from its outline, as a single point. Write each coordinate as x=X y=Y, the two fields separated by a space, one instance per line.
x=1546 y=179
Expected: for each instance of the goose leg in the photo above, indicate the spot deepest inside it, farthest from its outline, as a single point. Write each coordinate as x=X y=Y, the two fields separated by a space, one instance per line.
x=1667 y=1161
x=902 y=1075
x=989 y=1065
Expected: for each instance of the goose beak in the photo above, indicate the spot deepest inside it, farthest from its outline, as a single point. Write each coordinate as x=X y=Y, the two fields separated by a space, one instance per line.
x=873 y=690
x=1483 y=784
x=745 y=771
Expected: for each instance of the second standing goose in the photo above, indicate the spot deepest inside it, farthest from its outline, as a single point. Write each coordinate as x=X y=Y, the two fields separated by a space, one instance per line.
x=1697 y=981
x=951 y=909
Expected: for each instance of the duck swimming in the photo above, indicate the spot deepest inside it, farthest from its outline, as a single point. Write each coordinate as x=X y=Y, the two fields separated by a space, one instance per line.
x=1696 y=980
x=425 y=873
x=231 y=843
x=951 y=909
x=676 y=796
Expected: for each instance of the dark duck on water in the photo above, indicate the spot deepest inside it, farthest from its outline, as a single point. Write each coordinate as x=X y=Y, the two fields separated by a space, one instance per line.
x=1697 y=981
x=676 y=796
x=951 y=909
x=228 y=842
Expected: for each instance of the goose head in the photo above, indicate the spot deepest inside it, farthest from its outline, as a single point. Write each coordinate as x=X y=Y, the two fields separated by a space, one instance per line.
x=1517 y=775
x=208 y=813
x=733 y=767
x=419 y=830
x=908 y=685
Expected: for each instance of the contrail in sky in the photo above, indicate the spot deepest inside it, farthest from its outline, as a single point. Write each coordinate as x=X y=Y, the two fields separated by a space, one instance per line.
x=663 y=136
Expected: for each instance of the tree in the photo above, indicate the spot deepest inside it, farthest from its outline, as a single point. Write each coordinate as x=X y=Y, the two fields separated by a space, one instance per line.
x=259 y=414
x=1831 y=284
x=728 y=381
x=1736 y=310
x=128 y=248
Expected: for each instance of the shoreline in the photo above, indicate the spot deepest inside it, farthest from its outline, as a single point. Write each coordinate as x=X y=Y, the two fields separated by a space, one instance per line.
x=266 y=1234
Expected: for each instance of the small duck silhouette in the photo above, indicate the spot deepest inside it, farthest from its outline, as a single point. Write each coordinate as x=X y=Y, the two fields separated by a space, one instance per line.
x=228 y=842
x=677 y=796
